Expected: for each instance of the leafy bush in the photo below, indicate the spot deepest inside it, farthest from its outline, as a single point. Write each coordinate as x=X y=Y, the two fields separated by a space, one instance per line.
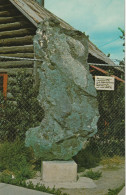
x=111 y=124
x=95 y=175
x=115 y=191
x=88 y=157
x=15 y=157
x=17 y=116
x=114 y=147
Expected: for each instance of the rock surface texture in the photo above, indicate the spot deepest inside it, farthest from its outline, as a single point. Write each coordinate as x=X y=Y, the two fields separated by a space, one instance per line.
x=66 y=93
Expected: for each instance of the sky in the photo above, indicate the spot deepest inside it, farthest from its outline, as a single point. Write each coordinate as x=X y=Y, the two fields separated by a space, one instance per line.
x=99 y=19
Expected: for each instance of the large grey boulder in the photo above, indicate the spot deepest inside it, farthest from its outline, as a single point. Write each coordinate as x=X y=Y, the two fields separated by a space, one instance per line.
x=66 y=93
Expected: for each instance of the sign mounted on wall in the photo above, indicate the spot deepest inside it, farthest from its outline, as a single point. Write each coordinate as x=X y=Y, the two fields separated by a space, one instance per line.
x=104 y=82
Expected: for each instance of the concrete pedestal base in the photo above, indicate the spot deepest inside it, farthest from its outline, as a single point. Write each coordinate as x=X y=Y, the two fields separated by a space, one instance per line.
x=59 y=171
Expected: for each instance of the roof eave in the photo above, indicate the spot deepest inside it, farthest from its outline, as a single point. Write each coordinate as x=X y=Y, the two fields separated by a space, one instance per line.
x=36 y=14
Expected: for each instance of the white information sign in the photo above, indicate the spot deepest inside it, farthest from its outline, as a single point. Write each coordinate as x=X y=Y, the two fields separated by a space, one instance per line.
x=104 y=82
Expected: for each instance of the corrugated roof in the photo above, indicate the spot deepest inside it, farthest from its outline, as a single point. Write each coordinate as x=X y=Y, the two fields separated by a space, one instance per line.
x=36 y=14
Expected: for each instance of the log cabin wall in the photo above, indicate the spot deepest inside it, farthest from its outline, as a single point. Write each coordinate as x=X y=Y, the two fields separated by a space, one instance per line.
x=16 y=40
x=16 y=36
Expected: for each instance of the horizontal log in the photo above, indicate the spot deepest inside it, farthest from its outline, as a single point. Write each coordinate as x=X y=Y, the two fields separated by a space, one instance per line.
x=17 y=49
x=4 y=13
x=16 y=41
x=14 y=26
x=5 y=6
x=12 y=12
x=16 y=64
x=4 y=20
x=17 y=33
x=14 y=71
x=20 y=55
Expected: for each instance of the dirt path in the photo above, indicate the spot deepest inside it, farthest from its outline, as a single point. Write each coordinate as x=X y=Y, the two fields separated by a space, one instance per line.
x=111 y=179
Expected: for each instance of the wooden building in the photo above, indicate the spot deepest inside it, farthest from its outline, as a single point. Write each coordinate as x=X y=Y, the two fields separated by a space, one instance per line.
x=18 y=25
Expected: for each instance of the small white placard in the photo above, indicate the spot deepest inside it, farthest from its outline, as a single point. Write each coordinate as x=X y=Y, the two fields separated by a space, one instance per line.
x=104 y=82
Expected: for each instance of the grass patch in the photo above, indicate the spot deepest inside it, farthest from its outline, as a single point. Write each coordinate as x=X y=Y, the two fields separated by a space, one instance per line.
x=116 y=190
x=6 y=178
x=15 y=158
x=95 y=175
x=112 y=162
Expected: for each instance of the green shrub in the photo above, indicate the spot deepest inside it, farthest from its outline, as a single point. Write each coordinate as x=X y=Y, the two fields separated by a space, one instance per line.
x=15 y=157
x=37 y=164
x=17 y=116
x=95 y=175
x=80 y=169
x=115 y=191
x=111 y=124
x=114 y=147
x=88 y=157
